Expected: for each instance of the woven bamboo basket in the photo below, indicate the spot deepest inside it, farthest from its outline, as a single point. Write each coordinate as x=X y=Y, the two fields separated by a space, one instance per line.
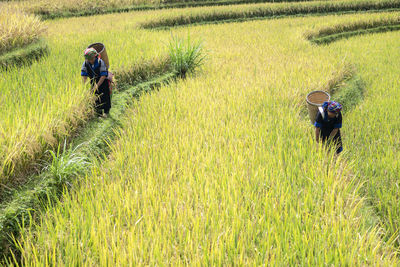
x=101 y=49
x=315 y=99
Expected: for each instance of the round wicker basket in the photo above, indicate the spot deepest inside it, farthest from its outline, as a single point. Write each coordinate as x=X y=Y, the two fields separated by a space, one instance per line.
x=101 y=49
x=314 y=100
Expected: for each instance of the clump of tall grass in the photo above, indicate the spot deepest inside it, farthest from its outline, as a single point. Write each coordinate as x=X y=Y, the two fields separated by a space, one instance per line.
x=185 y=55
x=18 y=28
x=66 y=163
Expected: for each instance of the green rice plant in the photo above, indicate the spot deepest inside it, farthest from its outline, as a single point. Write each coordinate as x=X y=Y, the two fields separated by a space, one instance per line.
x=185 y=55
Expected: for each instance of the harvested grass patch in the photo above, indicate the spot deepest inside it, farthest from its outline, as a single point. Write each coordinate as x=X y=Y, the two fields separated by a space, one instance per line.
x=350 y=94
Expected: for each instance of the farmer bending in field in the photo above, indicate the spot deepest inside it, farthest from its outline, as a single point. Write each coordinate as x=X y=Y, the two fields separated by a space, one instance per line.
x=96 y=70
x=328 y=124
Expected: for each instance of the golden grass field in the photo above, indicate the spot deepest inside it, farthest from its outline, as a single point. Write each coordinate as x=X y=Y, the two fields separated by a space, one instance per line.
x=222 y=168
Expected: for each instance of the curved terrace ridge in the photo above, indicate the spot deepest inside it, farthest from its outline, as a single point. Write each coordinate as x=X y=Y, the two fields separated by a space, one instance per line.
x=267 y=11
x=334 y=33
x=24 y=55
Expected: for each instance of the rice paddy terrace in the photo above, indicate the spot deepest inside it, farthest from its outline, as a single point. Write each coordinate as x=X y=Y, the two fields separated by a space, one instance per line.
x=214 y=167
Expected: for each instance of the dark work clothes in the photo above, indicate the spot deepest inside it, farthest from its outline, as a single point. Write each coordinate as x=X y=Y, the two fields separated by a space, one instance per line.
x=327 y=125
x=94 y=72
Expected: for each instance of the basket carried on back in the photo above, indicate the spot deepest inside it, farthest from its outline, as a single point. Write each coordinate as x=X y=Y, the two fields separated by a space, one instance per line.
x=314 y=100
x=101 y=49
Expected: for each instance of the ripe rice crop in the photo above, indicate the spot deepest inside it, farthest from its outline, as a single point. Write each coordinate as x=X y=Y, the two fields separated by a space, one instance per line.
x=44 y=101
x=243 y=12
x=348 y=29
x=18 y=29
x=62 y=8
x=222 y=168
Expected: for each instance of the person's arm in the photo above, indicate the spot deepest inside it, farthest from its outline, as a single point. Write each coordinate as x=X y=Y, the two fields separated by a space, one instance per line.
x=103 y=73
x=333 y=133
x=337 y=126
x=84 y=73
x=102 y=78
x=318 y=125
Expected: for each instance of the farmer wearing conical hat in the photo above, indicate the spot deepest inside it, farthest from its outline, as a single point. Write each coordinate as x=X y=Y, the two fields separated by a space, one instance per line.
x=96 y=70
x=328 y=124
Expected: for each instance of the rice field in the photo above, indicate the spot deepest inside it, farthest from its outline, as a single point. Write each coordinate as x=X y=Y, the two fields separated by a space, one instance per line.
x=49 y=9
x=18 y=28
x=44 y=101
x=42 y=125
x=271 y=10
x=221 y=168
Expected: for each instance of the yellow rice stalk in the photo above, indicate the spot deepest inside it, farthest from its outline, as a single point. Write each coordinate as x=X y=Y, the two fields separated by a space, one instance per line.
x=18 y=28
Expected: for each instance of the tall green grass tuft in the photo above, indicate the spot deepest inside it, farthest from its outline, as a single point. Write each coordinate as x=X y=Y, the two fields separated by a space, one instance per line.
x=185 y=55
x=66 y=163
